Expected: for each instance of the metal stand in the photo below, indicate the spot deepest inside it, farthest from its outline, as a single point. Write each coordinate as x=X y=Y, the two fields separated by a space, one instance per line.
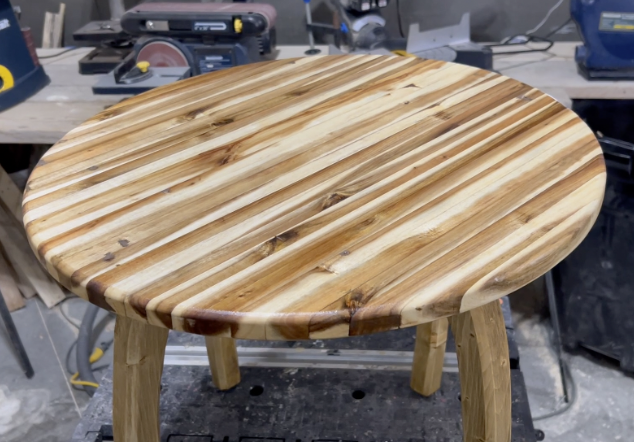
x=311 y=39
x=554 y=318
x=15 y=338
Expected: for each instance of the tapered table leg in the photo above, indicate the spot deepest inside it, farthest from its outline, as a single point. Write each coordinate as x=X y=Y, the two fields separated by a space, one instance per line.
x=429 y=356
x=139 y=350
x=223 y=361
x=485 y=377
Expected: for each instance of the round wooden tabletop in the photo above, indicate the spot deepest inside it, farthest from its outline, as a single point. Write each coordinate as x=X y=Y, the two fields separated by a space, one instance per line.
x=317 y=197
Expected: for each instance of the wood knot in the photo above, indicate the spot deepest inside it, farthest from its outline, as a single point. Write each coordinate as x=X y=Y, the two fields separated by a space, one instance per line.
x=124 y=242
x=443 y=115
x=189 y=116
x=357 y=298
x=222 y=122
x=353 y=300
x=109 y=113
x=108 y=256
x=334 y=198
x=289 y=235
x=225 y=160
x=297 y=93
x=325 y=268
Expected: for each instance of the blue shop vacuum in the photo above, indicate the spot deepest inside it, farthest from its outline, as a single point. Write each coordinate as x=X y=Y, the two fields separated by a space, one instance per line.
x=607 y=30
x=20 y=72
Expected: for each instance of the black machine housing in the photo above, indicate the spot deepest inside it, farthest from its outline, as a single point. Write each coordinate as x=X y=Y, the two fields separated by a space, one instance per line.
x=595 y=283
x=211 y=36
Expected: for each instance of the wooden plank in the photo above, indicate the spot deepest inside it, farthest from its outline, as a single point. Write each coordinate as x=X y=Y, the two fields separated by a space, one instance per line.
x=20 y=279
x=52 y=32
x=25 y=288
x=31 y=275
x=315 y=198
x=223 y=361
x=429 y=356
x=485 y=375
x=47 y=31
x=58 y=26
x=139 y=350
x=10 y=196
x=8 y=284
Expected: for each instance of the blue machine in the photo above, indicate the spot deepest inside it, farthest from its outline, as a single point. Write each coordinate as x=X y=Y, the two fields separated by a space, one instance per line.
x=20 y=74
x=607 y=29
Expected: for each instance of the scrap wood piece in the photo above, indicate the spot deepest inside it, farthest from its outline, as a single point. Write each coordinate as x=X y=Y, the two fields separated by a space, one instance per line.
x=27 y=267
x=53 y=27
x=8 y=284
x=10 y=196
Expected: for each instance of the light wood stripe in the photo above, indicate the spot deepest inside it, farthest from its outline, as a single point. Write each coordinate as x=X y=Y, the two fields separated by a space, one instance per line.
x=315 y=198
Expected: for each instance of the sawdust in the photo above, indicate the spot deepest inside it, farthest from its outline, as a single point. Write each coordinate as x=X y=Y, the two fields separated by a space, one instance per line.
x=20 y=411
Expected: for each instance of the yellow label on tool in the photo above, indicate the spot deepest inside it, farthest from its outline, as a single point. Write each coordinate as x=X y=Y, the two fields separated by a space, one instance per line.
x=623 y=26
x=237 y=25
x=6 y=77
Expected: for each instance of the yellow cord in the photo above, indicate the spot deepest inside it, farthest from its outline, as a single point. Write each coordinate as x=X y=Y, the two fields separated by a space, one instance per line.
x=94 y=357
x=74 y=381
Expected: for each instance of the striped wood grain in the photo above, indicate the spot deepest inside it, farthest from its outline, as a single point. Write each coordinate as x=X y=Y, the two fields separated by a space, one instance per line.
x=316 y=197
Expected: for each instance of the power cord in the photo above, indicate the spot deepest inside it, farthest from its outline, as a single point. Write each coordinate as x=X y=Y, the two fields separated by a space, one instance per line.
x=71 y=48
x=558 y=28
x=572 y=395
x=567 y=381
x=545 y=19
x=64 y=314
x=94 y=357
x=523 y=39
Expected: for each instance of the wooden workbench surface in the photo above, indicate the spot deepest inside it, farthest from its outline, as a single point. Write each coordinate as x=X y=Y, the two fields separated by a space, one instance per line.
x=68 y=101
x=315 y=197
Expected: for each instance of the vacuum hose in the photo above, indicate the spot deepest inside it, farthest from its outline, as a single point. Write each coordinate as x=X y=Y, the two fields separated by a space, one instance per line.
x=84 y=349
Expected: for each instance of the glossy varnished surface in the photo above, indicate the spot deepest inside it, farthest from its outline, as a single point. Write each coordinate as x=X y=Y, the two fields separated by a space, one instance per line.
x=317 y=197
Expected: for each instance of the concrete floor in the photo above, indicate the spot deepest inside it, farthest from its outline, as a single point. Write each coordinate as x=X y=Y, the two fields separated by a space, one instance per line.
x=604 y=406
x=46 y=408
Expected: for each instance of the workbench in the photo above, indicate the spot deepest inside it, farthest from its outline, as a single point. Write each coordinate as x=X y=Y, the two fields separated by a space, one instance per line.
x=68 y=100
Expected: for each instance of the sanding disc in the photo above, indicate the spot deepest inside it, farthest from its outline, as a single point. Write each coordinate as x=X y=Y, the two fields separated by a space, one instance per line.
x=162 y=54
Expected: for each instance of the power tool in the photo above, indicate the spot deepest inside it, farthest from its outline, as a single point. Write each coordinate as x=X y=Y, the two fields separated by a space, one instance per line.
x=21 y=74
x=169 y=41
x=607 y=30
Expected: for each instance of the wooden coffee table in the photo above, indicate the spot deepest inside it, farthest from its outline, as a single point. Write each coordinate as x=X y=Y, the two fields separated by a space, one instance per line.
x=319 y=198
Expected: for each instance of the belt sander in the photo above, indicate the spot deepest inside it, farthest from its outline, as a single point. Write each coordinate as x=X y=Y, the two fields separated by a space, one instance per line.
x=178 y=40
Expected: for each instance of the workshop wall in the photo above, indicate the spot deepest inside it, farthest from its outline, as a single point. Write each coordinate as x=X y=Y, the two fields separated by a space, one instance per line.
x=491 y=20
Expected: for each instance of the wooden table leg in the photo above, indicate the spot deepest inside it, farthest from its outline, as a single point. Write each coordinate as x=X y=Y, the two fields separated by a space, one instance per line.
x=429 y=356
x=139 y=350
x=485 y=377
x=223 y=361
